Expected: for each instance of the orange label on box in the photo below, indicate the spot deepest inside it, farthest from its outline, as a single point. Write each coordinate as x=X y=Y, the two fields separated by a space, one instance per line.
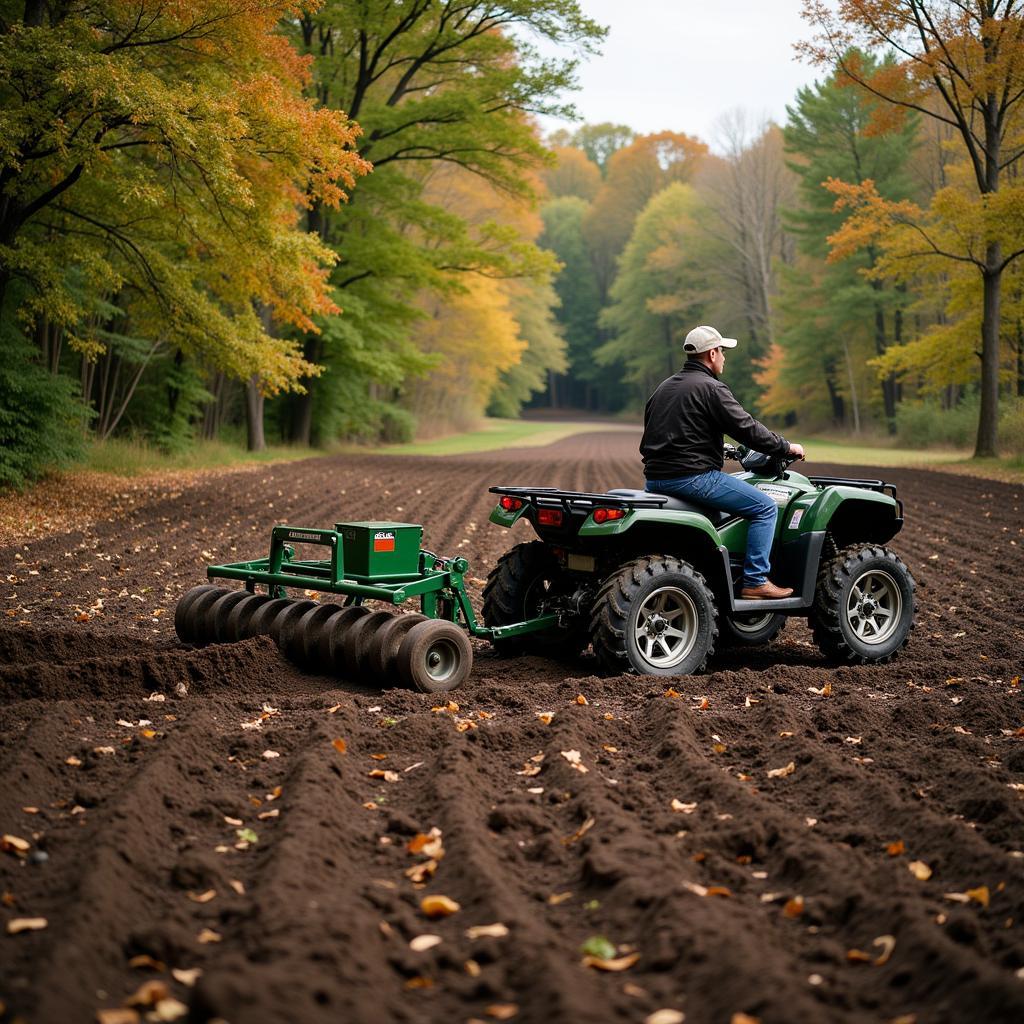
x=383 y=542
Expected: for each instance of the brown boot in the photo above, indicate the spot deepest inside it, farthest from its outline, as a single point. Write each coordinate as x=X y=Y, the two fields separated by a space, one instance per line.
x=766 y=592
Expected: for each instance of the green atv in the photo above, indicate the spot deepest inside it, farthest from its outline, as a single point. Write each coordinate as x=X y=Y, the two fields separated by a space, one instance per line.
x=651 y=581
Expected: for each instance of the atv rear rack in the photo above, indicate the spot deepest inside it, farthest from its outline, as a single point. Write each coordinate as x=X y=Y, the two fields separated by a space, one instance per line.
x=868 y=485
x=551 y=497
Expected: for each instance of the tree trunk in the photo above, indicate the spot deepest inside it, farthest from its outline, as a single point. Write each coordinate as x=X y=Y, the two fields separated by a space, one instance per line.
x=300 y=425
x=838 y=406
x=255 y=440
x=988 y=419
x=889 y=382
x=1020 y=360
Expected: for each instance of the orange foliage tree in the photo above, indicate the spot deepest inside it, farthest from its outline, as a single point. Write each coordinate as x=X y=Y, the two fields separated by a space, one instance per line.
x=970 y=59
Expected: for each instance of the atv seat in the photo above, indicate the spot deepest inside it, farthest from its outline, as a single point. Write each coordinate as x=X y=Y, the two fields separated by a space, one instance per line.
x=716 y=516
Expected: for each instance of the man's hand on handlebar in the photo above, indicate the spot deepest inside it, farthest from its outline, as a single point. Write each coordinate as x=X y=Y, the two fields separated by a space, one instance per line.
x=797 y=450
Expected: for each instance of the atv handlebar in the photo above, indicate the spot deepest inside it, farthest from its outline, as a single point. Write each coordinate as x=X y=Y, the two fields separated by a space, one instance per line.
x=753 y=461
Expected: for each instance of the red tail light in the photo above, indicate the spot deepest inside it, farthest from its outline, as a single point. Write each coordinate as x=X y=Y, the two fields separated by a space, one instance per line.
x=549 y=516
x=602 y=515
x=510 y=504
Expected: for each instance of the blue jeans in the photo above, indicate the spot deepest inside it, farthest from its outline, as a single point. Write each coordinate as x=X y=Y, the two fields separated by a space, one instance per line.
x=719 y=490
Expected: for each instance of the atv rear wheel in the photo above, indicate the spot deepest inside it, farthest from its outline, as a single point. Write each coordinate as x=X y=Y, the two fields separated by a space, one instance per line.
x=750 y=629
x=516 y=589
x=655 y=616
x=864 y=605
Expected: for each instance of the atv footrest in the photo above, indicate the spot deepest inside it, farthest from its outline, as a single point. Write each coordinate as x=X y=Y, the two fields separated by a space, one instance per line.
x=785 y=605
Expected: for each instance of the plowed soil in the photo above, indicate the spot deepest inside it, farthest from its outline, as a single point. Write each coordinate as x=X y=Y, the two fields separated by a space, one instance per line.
x=127 y=765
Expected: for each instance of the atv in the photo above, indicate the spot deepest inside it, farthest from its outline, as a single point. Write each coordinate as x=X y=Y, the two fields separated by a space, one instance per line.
x=652 y=581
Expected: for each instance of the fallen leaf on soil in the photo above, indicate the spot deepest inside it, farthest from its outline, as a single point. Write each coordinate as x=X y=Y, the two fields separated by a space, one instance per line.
x=854 y=741
x=672 y=692
x=382 y=773
x=696 y=888
x=420 y=872
x=573 y=757
x=30 y=810
x=335 y=708
x=608 y=747
x=580 y=832
x=208 y=935
x=920 y=870
x=118 y=1016
x=167 y=1010
x=422 y=943
x=979 y=895
x=339 y=745
x=780 y=773
x=904 y=1018
x=622 y=963
x=502 y=1011
x=794 y=906
x=25 y=924
x=143 y=961
x=580 y=699
x=487 y=931
x=269 y=755
x=451 y=707
x=234 y=822
x=247 y=835
x=720 y=890
x=529 y=769
x=419 y=982
x=103 y=750
x=484 y=714
x=155 y=697
x=887 y=943
x=149 y=993
x=680 y=808
x=203 y=897
x=896 y=848
x=429 y=844
x=14 y=844
x=264 y=815
x=665 y=1017
x=545 y=716
x=439 y=906
x=559 y=897
x=858 y=956
x=744 y=1018
x=719 y=748
x=73 y=761
x=237 y=886
x=825 y=691
x=465 y=724
x=472 y=968
x=378 y=757
x=148 y=733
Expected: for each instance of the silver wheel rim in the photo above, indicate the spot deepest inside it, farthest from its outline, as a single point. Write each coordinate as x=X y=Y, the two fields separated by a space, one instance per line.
x=665 y=628
x=753 y=623
x=874 y=606
x=441 y=660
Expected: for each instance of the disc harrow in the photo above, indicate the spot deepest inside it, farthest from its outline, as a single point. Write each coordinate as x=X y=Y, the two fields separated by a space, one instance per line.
x=427 y=650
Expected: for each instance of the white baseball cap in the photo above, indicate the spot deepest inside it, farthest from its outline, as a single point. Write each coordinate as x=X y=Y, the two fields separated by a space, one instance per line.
x=704 y=339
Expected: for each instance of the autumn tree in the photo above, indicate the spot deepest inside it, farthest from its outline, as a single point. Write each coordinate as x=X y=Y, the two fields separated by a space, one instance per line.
x=433 y=83
x=153 y=157
x=597 y=141
x=745 y=186
x=574 y=174
x=971 y=58
x=634 y=175
x=828 y=135
x=660 y=292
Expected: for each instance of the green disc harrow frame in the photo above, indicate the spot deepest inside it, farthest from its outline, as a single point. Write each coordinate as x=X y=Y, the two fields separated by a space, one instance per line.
x=439 y=583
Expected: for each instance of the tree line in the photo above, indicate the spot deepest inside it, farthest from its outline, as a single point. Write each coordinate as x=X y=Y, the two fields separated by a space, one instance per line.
x=297 y=222
x=867 y=251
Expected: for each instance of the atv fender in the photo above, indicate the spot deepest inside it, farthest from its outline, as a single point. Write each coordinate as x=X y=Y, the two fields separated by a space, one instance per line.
x=854 y=514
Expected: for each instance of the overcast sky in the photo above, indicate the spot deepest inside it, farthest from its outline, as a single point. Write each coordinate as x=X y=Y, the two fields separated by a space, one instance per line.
x=680 y=64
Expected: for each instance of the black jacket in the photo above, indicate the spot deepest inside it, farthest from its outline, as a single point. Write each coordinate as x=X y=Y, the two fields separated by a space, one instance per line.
x=686 y=420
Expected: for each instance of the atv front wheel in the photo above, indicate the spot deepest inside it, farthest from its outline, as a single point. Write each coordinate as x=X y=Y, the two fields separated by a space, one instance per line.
x=750 y=629
x=655 y=616
x=516 y=589
x=864 y=605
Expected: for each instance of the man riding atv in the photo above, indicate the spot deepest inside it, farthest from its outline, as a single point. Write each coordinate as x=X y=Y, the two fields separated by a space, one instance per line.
x=685 y=421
